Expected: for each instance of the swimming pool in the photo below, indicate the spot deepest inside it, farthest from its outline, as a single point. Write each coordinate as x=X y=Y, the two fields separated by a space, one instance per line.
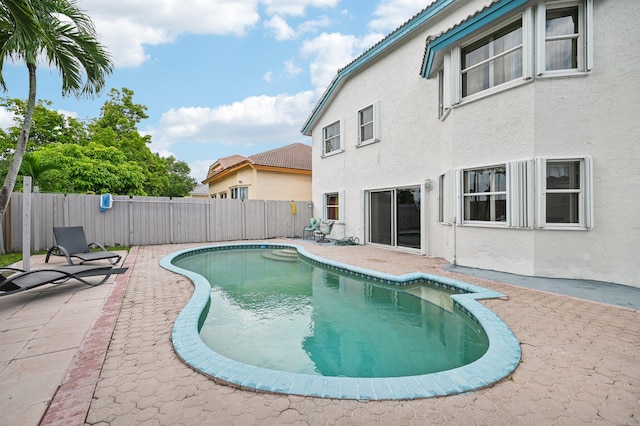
x=499 y=360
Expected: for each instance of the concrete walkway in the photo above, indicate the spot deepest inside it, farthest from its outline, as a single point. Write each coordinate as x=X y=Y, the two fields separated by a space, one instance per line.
x=580 y=364
x=41 y=331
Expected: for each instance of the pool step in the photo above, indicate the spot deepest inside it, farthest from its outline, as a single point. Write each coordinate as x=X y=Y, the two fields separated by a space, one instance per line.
x=287 y=255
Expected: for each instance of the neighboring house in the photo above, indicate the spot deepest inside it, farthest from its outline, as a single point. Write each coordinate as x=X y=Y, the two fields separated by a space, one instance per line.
x=280 y=174
x=200 y=191
x=495 y=134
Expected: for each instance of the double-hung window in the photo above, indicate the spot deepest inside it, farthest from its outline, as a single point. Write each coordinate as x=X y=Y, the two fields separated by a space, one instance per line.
x=369 y=124
x=565 y=193
x=331 y=138
x=333 y=207
x=493 y=60
x=552 y=38
x=484 y=194
x=563 y=29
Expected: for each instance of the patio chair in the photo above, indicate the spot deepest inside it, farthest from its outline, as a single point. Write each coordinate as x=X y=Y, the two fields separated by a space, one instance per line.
x=72 y=243
x=322 y=232
x=21 y=280
x=313 y=225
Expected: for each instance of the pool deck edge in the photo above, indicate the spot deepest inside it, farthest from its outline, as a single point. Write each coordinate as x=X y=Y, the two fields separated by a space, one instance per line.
x=500 y=360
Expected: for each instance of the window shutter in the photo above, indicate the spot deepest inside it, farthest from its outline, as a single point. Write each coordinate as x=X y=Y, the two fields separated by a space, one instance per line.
x=358 y=129
x=455 y=78
x=541 y=31
x=541 y=194
x=459 y=191
x=528 y=41
x=341 y=205
x=521 y=194
x=588 y=18
x=588 y=193
x=376 y=121
x=447 y=198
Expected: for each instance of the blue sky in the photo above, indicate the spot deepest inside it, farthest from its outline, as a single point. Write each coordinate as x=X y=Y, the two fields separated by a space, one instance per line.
x=222 y=77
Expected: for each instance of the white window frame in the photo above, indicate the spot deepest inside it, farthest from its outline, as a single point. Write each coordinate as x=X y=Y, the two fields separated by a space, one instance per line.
x=223 y=195
x=585 y=193
x=326 y=206
x=533 y=53
x=462 y=197
x=519 y=191
x=584 y=37
x=337 y=137
x=240 y=193
x=374 y=123
x=523 y=47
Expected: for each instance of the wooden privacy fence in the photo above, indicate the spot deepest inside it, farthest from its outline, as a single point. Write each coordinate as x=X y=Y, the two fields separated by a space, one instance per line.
x=154 y=220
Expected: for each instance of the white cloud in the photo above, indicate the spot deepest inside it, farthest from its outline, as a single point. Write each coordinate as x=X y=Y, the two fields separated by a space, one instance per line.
x=268 y=76
x=200 y=168
x=6 y=119
x=252 y=121
x=390 y=14
x=330 y=52
x=280 y=29
x=291 y=69
x=126 y=26
x=295 y=7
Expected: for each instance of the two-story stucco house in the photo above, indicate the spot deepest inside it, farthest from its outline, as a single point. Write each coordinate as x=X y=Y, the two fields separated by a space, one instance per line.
x=279 y=174
x=500 y=134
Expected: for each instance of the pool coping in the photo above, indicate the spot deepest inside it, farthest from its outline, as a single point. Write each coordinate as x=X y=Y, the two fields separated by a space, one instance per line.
x=500 y=360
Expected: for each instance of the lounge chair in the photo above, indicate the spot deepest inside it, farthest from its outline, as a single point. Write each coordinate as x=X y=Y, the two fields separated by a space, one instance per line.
x=71 y=242
x=22 y=280
x=322 y=232
x=313 y=225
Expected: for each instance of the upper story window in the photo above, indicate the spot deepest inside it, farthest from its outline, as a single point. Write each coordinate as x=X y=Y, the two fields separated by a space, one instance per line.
x=240 y=193
x=369 y=124
x=563 y=41
x=331 y=138
x=492 y=60
x=561 y=38
x=223 y=195
x=552 y=38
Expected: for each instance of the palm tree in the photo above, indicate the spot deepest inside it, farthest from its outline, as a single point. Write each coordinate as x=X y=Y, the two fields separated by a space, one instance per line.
x=62 y=35
x=33 y=166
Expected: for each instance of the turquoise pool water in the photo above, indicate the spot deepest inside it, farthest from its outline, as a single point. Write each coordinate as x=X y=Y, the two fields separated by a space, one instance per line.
x=381 y=296
x=272 y=308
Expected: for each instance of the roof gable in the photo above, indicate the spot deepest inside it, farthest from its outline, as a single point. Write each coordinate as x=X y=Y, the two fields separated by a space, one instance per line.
x=439 y=42
x=296 y=156
x=382 y=46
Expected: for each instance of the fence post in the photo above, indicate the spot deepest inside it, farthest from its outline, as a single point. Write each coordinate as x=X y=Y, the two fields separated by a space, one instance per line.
x=26 y=223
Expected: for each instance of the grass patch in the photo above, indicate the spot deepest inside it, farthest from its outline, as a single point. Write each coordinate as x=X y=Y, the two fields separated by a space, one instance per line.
x=10 y=258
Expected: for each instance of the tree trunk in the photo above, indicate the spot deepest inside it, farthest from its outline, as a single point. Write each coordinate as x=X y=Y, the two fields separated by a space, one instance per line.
x=21 y=147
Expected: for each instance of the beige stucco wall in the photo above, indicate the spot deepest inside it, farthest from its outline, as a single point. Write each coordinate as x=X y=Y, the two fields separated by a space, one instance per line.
x=265 y=185
x=595 y=115
x=282 y=186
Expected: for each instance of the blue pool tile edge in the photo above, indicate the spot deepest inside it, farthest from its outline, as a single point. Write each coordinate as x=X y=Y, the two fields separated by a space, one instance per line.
x=500 y=360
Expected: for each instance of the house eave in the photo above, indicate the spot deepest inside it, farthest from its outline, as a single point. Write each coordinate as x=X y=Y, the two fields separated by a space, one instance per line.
x=367 y=57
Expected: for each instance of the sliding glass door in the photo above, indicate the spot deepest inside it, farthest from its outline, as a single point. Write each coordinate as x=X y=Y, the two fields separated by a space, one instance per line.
x=394 y=217
x=381 y=216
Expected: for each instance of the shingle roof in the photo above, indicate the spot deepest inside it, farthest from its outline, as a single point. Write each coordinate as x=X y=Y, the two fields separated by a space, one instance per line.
x=296 y=156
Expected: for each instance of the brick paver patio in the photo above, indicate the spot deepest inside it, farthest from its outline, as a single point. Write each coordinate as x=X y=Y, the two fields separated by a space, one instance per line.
x=580 y=363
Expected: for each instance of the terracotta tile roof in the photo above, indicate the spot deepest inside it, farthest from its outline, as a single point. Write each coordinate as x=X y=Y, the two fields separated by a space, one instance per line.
x=295 y=156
